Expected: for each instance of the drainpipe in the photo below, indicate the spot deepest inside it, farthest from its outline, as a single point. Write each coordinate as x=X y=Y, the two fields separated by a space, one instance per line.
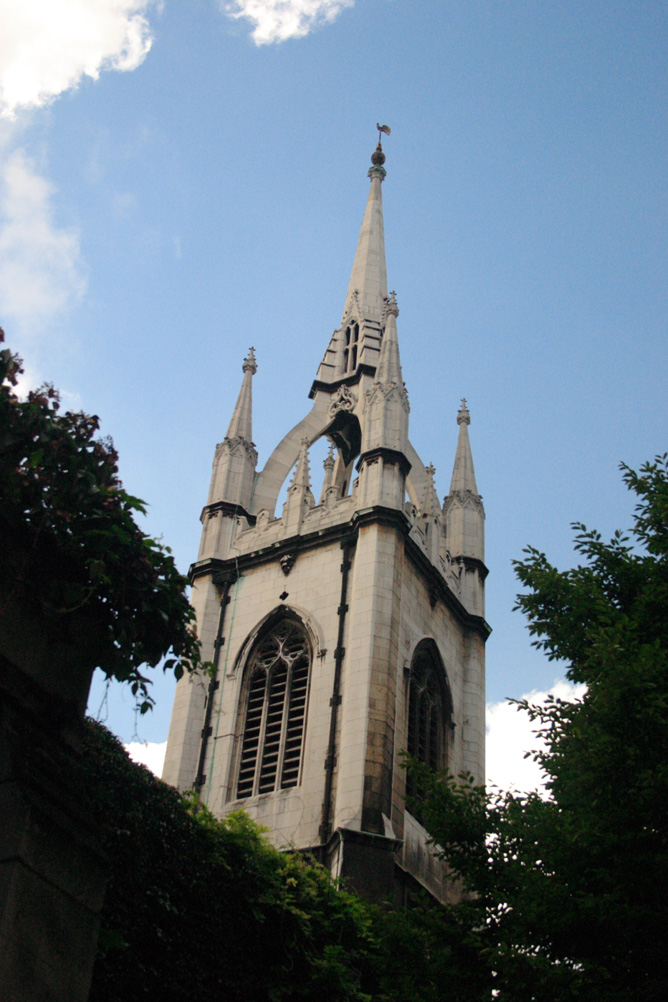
x=347 y=545
x=223 y=580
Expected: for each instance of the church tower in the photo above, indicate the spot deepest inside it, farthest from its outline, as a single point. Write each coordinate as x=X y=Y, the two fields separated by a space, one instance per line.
x=344 y=630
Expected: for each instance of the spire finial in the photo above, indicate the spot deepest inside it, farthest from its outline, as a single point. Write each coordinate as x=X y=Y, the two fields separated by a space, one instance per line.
x=391 y=308
x=463 y=474
x=249 y=363
x=430 y=505
x=241 y=423
x=328 y=462
x=302 y=475
x=463 y=416
x=378 y=157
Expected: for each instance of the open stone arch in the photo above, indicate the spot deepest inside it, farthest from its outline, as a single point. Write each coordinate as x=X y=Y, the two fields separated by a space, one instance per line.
x=342 y=427
x=283 y=458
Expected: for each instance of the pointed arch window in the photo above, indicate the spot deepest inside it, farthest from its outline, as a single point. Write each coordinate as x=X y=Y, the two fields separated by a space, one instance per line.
x=350 y=350
x=429 y=715
x=274 y=712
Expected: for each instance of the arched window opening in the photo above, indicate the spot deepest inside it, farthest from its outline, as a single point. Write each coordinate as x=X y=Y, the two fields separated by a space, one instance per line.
x=275 y=711
x=429 y=717
x=350 y=351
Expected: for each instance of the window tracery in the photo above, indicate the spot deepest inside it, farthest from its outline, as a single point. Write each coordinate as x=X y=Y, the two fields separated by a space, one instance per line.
x=429 y=715
x=276 y=693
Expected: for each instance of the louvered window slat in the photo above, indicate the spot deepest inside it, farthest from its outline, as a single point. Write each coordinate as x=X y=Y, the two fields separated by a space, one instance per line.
x=277 y=691
x=251 y=733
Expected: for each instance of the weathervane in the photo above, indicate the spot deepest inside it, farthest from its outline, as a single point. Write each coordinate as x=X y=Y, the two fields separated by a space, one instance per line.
x=378 y=157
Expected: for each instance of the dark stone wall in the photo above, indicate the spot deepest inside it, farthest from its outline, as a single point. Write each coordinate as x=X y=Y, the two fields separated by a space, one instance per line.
x=52 y=871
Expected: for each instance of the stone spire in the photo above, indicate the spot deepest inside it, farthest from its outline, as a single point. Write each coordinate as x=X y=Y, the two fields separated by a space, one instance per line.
x=241 y=424
x=235 y=457
x=301 y=478
x=385 y=424
x=430 y=504
x=431 y=515
x=367 y=288
x=389 y=363
x=385 y=420
x=355 y=345
x=464 y=517
x=300 y=497
x=463 y=474
x=328 y=464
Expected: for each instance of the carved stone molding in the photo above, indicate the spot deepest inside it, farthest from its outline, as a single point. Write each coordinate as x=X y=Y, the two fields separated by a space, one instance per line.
x=387 y=391
x=233 y=445
x=343 y=400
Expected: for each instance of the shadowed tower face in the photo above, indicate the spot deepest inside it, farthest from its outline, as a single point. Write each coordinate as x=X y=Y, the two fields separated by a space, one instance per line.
x=346 y=630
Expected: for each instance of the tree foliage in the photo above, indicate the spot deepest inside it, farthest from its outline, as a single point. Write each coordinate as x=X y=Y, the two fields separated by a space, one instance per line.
x=199 y=907
x=567 y=894
x=71 y=554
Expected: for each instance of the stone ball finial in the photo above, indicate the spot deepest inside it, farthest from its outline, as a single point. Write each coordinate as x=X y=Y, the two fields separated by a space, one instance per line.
x=378 y=157
x=249 y=364
x=463 y=416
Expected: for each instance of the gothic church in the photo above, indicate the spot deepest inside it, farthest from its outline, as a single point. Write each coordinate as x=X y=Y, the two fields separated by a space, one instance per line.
x=346 y=630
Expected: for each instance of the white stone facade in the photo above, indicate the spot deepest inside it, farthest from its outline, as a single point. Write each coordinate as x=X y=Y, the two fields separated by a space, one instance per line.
x=376 y=579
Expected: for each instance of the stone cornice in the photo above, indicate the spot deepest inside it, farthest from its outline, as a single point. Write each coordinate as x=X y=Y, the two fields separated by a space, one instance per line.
x=227 y=508
x=374 y=515
x=388 y=456
x=473 y=564
x=362 y=370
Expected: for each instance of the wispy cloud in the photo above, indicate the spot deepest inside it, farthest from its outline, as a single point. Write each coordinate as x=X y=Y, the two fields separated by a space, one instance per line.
x=510 y=736
x=278 y=20
x=41 y=271
x=47 y=46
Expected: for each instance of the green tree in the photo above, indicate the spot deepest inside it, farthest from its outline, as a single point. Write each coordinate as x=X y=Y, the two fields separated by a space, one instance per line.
x=198 y=907
x=81 y=586
x=568 y=895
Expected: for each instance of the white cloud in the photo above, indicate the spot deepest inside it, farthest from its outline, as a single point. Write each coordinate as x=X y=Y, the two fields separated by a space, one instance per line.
x=277 y=20
x=510 y=735
x=148 y=753
x=41 y=271
x=47 y=46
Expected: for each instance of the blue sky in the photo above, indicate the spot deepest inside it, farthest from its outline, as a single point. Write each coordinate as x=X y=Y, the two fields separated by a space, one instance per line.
x=178 y=183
